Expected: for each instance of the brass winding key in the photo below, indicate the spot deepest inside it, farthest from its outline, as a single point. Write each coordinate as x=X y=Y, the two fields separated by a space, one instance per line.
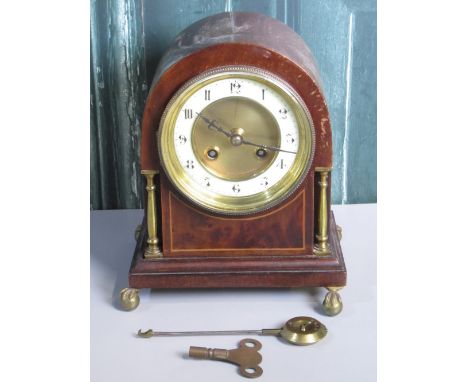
x=246 y=356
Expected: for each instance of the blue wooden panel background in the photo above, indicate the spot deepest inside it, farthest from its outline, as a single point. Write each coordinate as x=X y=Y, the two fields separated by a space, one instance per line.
x=128 y=38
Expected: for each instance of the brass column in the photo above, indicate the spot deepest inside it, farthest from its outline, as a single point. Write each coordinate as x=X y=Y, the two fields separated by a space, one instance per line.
x=321 y=247
x=152 y=250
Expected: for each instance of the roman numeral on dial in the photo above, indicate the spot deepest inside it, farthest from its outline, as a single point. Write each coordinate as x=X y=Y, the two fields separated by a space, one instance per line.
x=282 y=164
x=188 y=113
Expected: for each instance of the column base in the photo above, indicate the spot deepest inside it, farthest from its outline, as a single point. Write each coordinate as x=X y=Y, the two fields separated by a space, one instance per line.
x=153 y=252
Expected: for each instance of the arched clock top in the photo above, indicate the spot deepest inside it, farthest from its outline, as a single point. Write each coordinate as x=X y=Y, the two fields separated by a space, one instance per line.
x=230 y=39
x=241 y=28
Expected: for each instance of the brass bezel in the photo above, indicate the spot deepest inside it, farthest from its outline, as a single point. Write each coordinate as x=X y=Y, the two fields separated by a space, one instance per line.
x=232 y=205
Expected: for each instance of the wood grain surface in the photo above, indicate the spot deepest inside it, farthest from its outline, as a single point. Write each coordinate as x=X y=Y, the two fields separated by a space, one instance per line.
x=284 y=230
x=239 y=271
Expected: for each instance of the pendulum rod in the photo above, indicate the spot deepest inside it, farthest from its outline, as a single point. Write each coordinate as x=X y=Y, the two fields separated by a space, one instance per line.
x=199 y=333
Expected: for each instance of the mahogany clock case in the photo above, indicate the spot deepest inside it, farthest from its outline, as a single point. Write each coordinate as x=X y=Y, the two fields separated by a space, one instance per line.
x=274 y=248
x=239 y=272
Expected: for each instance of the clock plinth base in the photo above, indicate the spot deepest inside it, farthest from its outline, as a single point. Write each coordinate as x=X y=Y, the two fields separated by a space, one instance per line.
x=243 y=272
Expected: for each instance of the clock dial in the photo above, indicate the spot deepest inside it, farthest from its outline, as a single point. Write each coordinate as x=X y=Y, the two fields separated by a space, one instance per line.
x=236 y=141
x=242 y=120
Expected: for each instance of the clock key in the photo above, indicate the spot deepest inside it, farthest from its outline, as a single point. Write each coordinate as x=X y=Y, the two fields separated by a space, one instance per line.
x=246 y=356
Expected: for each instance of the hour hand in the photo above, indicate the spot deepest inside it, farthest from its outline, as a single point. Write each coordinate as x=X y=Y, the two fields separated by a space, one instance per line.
x=212 y=125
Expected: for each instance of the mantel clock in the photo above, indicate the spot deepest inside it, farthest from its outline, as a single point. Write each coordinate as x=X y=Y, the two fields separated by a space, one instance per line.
x=237 y=151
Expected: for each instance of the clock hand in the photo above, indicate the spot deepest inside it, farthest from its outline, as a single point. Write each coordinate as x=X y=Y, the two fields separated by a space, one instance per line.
x=271 y=148
x=212 y=125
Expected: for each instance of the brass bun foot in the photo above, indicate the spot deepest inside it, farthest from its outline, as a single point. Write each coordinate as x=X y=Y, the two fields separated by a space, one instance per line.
x=332 y=303
x=129 y=298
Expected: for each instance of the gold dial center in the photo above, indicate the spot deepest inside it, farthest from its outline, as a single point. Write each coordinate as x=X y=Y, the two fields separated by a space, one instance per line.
x=243 y=120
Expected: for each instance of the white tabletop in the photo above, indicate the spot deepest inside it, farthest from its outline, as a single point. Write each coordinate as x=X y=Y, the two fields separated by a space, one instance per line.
x=347 y=353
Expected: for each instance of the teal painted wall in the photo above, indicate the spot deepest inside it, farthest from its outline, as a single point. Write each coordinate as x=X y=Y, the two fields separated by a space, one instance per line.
x=128 y=38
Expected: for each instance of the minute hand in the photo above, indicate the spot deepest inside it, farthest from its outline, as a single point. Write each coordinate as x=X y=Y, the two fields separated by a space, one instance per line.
x=212 y=125
x=271 y=148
